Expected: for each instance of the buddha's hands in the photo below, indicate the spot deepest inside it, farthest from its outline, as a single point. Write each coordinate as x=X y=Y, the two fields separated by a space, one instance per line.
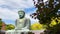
x=25 y=28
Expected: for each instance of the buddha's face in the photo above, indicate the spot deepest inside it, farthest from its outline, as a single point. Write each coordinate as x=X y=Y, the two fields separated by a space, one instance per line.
x=21 y=14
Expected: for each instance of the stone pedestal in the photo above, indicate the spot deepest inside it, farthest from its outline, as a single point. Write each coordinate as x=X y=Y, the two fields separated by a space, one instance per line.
x=17 y=31
x=25 y=32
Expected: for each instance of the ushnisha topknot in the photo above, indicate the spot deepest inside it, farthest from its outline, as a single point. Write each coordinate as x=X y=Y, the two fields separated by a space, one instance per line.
x=21 y=11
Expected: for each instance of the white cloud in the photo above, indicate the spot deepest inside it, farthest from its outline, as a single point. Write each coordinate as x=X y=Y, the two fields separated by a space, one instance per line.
x=17 y=4
x=45 y=0
x=8 y=14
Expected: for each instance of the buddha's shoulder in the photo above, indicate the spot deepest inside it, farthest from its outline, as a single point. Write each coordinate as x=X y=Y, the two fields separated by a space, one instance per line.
x=23 y=19
x=27 y=18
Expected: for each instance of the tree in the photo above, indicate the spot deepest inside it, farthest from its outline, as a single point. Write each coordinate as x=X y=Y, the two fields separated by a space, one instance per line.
x=10 y=27
x=37 y=26
x=46 y=11
x=1 y=23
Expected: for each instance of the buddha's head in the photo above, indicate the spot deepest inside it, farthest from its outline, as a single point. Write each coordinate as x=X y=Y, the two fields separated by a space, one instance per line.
x=21 y=14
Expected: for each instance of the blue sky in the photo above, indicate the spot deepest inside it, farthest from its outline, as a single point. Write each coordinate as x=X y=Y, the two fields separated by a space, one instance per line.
x=9 y=10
